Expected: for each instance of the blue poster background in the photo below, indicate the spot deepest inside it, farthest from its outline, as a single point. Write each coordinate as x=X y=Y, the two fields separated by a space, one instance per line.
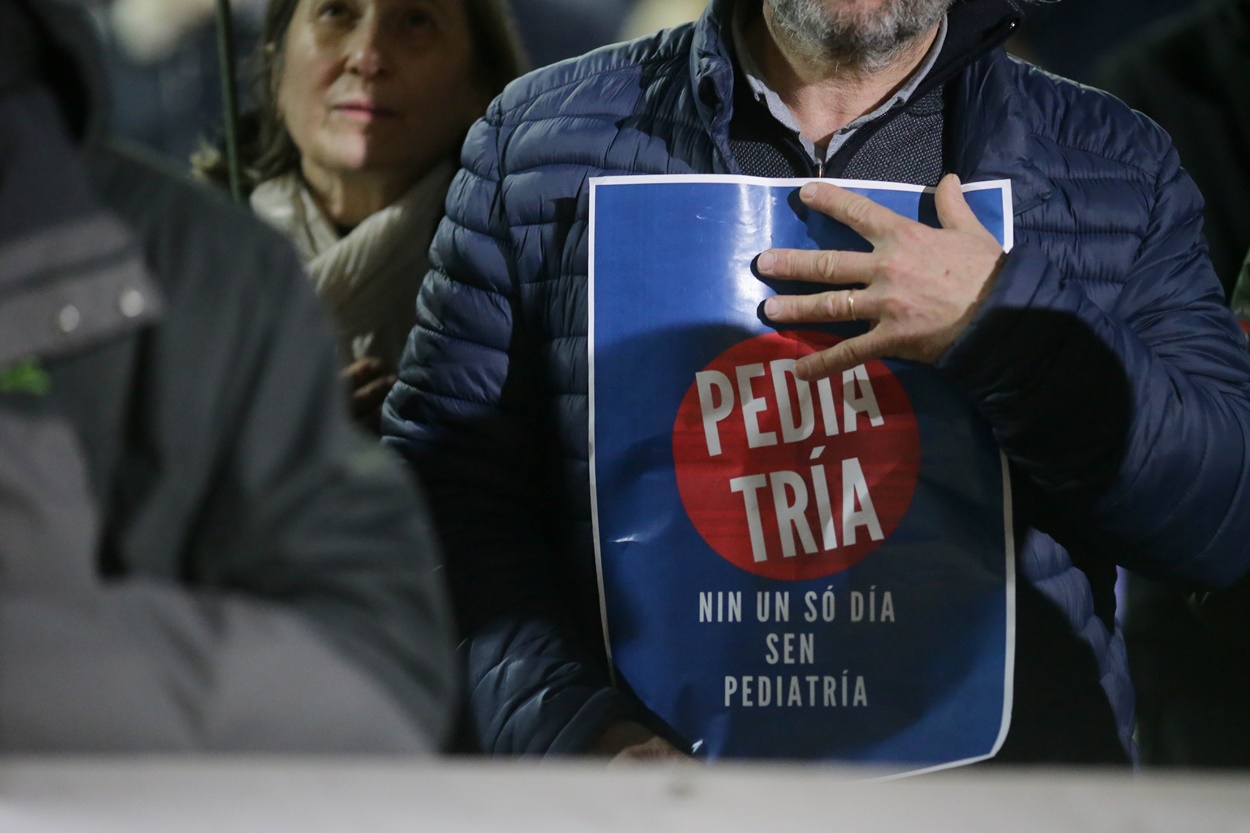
x=671 y=289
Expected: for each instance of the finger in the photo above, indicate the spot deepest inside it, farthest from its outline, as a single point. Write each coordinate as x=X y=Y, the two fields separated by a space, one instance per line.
x=372 y=394
x=830 y=266
x=821 y=308
x=843 y=356
x=952 y=207
x=873 y=221
x=361 y=371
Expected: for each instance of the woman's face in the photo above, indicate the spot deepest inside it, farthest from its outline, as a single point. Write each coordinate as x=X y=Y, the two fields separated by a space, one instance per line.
x=377 y=86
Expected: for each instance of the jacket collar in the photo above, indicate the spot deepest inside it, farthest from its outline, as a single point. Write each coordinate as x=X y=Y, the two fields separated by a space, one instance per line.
x=990 y=137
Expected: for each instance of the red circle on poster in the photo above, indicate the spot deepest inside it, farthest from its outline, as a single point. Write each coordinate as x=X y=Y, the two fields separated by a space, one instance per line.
x=790 y=479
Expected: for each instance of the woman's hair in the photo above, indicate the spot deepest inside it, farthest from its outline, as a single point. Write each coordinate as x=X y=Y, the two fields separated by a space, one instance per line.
x=266 y=149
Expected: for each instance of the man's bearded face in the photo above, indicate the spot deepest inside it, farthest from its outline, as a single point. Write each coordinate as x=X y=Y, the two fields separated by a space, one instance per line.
x=867 y=33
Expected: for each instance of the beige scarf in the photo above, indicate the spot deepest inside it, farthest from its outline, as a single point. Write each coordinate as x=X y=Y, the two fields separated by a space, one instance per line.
x=369 y=278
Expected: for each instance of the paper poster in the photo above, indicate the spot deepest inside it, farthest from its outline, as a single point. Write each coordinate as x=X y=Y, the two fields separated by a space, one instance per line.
x=788 y=570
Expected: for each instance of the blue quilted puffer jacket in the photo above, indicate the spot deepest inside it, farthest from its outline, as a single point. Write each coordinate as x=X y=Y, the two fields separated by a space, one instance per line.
x=1103 y=359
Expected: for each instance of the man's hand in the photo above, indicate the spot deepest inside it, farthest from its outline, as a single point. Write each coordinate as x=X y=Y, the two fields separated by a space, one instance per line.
x=920 y=285
x=627 y=741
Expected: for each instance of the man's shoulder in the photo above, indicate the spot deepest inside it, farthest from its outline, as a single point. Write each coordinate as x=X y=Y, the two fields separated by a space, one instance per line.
x=601 y=81
x=1083 y=120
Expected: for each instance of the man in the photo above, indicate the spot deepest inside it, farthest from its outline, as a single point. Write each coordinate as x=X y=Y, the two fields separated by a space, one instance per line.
x=1098 y=351
x=197 y=551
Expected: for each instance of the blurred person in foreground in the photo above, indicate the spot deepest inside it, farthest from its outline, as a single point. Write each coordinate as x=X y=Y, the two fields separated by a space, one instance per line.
x=1099 y=352
x=362 y=108
x=198 y=550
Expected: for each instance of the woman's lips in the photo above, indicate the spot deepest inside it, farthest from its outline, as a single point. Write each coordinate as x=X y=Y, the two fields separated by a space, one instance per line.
x=365 y=112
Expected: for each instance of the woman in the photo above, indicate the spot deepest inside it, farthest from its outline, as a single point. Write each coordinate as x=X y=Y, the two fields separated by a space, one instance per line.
x=363 y=107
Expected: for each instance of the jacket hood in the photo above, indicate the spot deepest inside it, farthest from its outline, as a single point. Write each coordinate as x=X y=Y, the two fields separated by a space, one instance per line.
x=73 y=64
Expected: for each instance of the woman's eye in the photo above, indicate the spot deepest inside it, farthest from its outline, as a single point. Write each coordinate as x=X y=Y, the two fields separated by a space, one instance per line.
x=418 y=20
x=333 y=11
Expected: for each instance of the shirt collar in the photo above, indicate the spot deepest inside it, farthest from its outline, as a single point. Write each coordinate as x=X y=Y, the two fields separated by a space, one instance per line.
x=772 y=100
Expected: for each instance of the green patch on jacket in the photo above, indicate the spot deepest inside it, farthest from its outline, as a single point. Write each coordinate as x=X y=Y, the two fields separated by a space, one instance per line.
x=24 y=377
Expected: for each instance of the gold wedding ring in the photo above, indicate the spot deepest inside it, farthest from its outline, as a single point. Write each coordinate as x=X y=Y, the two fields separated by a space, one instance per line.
x=850 y=302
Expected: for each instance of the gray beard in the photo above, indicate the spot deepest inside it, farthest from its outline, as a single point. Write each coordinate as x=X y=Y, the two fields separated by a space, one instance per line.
x=825 y=30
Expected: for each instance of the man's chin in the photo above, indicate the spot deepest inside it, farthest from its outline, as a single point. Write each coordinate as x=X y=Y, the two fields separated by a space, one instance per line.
x=868 y=38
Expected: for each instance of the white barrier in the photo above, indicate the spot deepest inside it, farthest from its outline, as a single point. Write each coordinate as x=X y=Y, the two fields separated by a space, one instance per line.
x=275 y=795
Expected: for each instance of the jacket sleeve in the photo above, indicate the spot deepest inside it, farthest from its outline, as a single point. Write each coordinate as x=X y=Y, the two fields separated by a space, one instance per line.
x=1129 y=422
x=468 y=414
x=277 y=588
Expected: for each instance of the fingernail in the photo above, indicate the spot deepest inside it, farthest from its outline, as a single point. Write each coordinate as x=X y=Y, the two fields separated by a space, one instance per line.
x=771 y=307
x=766 y=262
x=808 y=191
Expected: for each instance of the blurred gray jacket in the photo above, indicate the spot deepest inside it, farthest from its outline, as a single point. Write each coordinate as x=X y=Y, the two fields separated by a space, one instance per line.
x=197 y=549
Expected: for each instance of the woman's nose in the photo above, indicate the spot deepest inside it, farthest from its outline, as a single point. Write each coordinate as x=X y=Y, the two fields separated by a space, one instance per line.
x=365 y=55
